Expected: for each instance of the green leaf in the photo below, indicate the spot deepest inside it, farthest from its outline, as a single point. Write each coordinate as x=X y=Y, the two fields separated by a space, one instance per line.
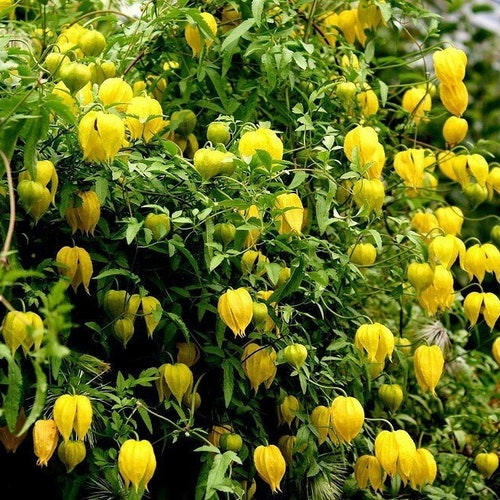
x=257 y=6
x=145 y=417
x=291 y=285
x=36 y=129
x=15 y=382
x=9 y=133
x=228 y=381
x=39 y=402
x=133 y=228
x=236 y=33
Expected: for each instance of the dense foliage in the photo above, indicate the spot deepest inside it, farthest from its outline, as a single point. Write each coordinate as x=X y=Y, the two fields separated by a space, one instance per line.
x=250 y=248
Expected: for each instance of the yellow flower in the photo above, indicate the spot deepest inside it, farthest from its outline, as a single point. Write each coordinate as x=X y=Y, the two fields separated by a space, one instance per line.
x=420 y=275
x=45 y=437
x=450 y=219
x=369 y=195
x=376 y=340
x=361 y=146
x=428 y=363
x=368 y=471
x=454 y=130
x=259 y=365
x=445 y=250
x=136 y=463
x=262 y=138
x=347 y=417
x=235 y=308
x=101 y=135
x=270 y=465
x=76 y=264
x=193 y=35
x=449 y=65
x=486 y=463
x=417 y=102
x=291 y=217
x=424 y=469
x=115 y=93
x=175 y=379
x=455 y=98
x=144 y=118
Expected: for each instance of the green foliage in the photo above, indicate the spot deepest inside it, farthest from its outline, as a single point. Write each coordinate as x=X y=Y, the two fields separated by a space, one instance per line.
x=278 y=69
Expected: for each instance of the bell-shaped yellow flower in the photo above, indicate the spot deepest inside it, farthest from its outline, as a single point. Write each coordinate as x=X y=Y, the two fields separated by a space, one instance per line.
x=83 y=212
x=368 y=471
x=455 y=98
x=175 y=379
x=450 y=65
x=450 y=219
x=291 y=217
x=270 y=465
x=362 y=254
x=486 y=303
x=45 y=437
x=115 y=93
x=425 y=223
x=71 y=453
x=73 y=412
x=321 y=420
x=495 y=350
x=259 y=365
x=101 y=135
x=193 y=35
x=369 y=195
x=428 y=364
x=386 y=451
x=424 y=469
x=136 y=463
x=76 y=264
x=144 y=118
x=152 y=312
x=445 y=250
x=22 y=329
x=376 y=340
x=187 y=353
x=417 y=102
x=361 y=146
x=440 y=295
x=420 y=275
x=486 y=463
x=262 y=138
x=287 y=410
x=407 y=453
x=347 y=417
x=235 y=309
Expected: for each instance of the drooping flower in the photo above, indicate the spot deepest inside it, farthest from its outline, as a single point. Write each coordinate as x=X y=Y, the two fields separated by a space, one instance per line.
x=101 y=135
x=428 y=363
x=144 y=118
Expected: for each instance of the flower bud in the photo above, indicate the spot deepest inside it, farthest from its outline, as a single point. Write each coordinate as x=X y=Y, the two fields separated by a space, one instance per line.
x=270 y=465
x=71 y=453
x=362 y=254
x=321 y=420
x=295 y=354
x=486 y=463
x=92 y=42
x=391 y=396
x=136 y=463
x=286 y=444
x=188 y=353
x=158 y=224
x=454 y=130
x=224 y=232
